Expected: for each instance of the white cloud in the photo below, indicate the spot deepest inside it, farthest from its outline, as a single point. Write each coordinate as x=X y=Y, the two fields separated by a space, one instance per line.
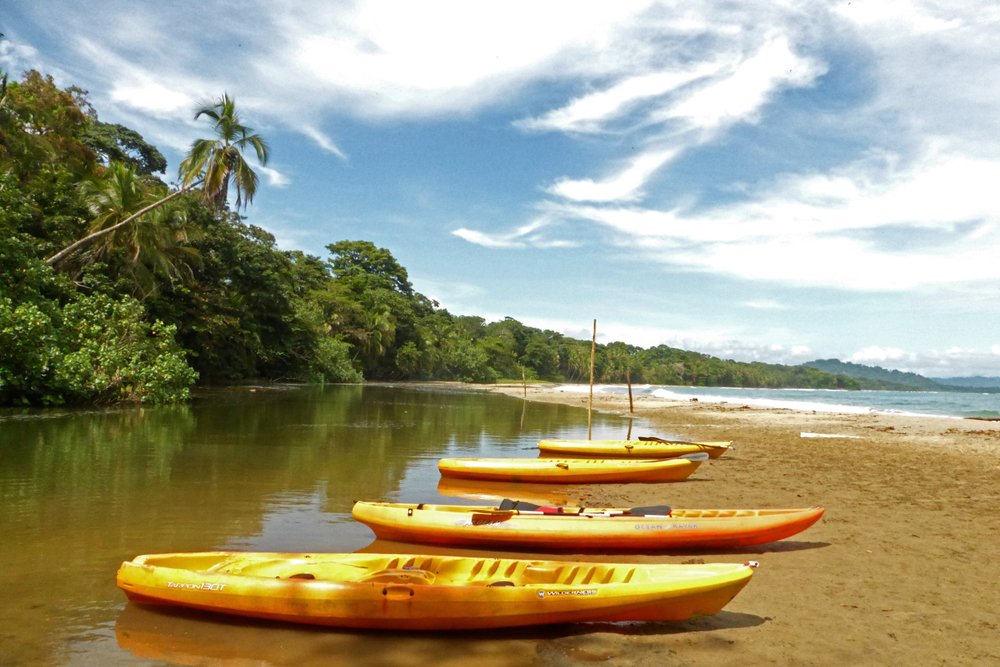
x=274 y=177
x=434 y=57
x=859 y=228
x=488 y=240
x=740 y=95
x=15 y=56
x=875 y=355
x=626 y=185
x=152 y=97
x=525 y=236
x=717 y=98
x=323 y=141
x=590 y=113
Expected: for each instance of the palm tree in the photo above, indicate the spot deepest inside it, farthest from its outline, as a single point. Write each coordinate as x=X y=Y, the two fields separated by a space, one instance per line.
x=212 y=163
x=148 y=249
x=217 y=162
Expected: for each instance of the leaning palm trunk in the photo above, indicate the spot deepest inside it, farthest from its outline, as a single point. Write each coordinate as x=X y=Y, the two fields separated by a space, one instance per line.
x=73 y=247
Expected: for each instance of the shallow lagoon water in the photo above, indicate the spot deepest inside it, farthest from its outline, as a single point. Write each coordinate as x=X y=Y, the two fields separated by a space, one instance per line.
x=260 y=469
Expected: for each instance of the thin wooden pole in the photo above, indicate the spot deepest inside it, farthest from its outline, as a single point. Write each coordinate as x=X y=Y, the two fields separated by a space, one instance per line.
x=590 y=404
x=524 y=382
x=628 y=378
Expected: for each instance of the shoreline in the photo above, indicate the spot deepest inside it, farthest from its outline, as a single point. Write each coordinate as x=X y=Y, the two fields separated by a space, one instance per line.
x=797 y=400
x=897 y=572
x=702 y=419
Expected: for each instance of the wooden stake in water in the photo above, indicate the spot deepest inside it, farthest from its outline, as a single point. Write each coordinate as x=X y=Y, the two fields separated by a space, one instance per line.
x=628 y=378
x=590 y=403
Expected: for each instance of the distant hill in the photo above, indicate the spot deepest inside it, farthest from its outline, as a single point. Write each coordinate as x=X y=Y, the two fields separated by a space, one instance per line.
x=976 y=382
x=882 y=377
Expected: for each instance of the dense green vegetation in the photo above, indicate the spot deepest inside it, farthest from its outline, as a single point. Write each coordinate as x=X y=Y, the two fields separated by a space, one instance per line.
x=115 y=287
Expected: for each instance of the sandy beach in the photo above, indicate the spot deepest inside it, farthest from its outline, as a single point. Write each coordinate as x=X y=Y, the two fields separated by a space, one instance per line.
x=902 y=569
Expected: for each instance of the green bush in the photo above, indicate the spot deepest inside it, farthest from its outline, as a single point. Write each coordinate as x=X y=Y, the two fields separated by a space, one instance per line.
x=332 y=362
x=113 y=355
x=29 y=354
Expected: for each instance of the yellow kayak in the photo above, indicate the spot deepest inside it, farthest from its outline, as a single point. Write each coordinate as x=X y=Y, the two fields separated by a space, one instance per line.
x=640 y=449
x=572 y=471
x=520 y=525
x=408 y=592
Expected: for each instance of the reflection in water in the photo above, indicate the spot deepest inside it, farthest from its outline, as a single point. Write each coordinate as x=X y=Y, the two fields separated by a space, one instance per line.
x=184 y=637
x=301 y=519
x=490 y=492
x=189 y=638
x=264 y=469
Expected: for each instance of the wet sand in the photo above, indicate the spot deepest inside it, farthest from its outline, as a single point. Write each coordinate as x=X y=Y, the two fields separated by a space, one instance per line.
x=902 y=569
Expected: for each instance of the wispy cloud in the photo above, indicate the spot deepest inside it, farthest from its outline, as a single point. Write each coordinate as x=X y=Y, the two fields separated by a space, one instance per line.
x=935 y=220
x=625 y=185
x=323 y=141
x=274 y=177
x=418 y=63
x=591 y=113
x=741 y=93
x=528 y=235
x=151 y=97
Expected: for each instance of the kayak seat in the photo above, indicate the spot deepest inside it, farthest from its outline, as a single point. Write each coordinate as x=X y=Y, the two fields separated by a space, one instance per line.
x=499 y=584
x=659 y=510
x=508 y=504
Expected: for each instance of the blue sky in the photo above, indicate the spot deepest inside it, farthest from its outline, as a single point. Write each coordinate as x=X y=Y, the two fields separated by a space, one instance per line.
x=779 y=181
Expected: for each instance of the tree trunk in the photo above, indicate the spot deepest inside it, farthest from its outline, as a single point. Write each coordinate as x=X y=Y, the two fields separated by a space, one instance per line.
x=70 y=249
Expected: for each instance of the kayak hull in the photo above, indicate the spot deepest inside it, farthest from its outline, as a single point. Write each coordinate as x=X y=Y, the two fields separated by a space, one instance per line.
x=569 y=471
x=582 y=529
x=640 y=449
x=408 y=592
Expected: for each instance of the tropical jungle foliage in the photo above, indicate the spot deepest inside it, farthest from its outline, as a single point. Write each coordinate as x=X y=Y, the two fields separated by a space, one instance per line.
x=116 y=287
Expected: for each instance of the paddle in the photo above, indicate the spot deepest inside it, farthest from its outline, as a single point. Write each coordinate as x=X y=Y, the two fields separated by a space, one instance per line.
x=509 y=508
x=506 y=510
x=653 y=438
x=499 y=516
x=509 y=504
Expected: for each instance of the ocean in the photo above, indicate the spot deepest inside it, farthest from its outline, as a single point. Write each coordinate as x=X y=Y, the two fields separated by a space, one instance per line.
x=918 y=403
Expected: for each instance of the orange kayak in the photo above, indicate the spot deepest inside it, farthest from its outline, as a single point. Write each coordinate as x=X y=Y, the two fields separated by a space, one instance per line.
x=408 y=592
x=572 y=471
x=640 y=449
x=519 y=525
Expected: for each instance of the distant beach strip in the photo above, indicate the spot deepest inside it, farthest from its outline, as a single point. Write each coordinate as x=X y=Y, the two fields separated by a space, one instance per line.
x=958 y=405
